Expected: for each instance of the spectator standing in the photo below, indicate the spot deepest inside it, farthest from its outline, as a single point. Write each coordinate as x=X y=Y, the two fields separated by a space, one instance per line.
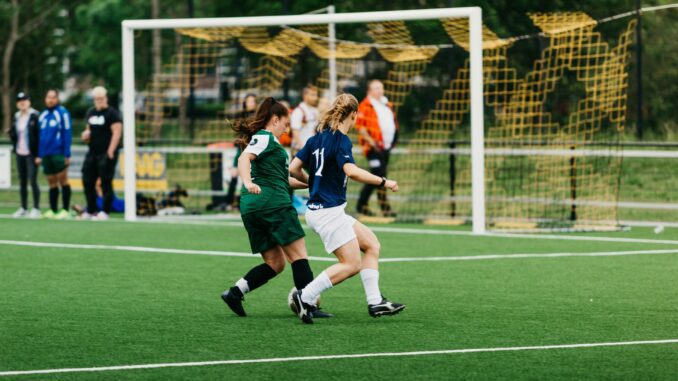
x=102 y=135
x=378 y=133
x=24 y=135
x=54 y=153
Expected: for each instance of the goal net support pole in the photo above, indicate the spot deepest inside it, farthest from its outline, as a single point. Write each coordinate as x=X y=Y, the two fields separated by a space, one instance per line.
x=474 y=14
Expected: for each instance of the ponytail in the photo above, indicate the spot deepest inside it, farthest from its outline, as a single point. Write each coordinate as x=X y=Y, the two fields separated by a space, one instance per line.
x=342 y=106
x=246 y=128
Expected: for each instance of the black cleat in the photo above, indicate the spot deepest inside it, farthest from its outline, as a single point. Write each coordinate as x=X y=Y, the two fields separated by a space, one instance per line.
x=234 y=302
x=384 y=308
x=304 y=310
x=316 y=313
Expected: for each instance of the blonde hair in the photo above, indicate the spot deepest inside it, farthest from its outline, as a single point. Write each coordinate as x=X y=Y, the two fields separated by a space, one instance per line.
x=342 y=106
x=99 y=91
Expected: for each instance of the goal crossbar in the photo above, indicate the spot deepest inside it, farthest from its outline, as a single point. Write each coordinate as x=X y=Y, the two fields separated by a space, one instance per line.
x=474 y=14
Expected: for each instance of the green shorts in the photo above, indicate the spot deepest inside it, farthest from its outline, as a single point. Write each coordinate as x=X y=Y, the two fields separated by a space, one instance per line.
x=272 y=227
x=53 y=164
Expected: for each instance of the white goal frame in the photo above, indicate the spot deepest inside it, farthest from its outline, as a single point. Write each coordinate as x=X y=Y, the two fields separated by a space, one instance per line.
x=474 y=14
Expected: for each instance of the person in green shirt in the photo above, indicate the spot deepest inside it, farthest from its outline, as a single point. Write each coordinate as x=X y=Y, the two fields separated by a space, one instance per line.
x=270 y=219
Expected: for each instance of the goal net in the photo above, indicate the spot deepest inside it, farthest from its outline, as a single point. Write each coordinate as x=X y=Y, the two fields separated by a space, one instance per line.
x=533 y=142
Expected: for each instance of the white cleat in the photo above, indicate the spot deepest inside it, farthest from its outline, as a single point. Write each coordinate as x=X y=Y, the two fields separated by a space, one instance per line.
x=101 y=216
x=20 y=213
x=35 y=213
x=86 y=216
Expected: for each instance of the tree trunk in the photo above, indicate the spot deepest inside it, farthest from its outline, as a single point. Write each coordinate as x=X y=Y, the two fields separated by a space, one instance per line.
x=157 y=112
x=6 y=66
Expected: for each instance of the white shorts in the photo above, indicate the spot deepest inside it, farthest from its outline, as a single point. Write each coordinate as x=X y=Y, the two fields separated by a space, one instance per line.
x=333 y=225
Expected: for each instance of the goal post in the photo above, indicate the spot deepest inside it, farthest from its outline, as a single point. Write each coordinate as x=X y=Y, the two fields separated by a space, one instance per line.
x=473 y=14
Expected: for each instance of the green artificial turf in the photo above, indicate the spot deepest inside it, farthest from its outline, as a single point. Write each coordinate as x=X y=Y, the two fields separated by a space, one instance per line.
x=70 y=308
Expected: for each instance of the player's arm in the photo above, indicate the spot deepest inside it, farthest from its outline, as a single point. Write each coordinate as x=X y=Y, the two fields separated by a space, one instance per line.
x=116 y=129
x=360 y=175
x=297 y=172
x=296 y=184
x=244 y=168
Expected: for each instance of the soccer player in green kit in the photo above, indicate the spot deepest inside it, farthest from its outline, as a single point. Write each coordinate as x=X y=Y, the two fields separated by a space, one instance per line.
x=270 y=219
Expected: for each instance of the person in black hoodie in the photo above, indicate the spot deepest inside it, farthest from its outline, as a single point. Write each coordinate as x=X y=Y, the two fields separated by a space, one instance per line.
x=25 y=134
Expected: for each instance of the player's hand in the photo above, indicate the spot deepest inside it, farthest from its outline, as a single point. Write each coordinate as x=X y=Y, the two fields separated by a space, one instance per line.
x=392 y=185
x=111 y=154
x=38 y=161
x=253 y=188
x=67 y=161
x=85 y=136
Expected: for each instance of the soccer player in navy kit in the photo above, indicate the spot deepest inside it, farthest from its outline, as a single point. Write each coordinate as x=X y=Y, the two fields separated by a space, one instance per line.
x=328 y=158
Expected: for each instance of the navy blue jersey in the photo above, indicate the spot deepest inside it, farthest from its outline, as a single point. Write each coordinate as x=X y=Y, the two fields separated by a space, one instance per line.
x=324 y=156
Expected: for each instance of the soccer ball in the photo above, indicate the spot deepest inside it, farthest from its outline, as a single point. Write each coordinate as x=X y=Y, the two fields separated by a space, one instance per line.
x=290 y=301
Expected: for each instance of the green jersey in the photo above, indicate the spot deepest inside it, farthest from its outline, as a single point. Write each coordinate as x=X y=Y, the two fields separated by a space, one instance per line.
x=270 y=171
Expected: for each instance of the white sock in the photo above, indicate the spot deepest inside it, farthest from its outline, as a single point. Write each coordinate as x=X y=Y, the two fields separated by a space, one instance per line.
x=370 y=279
x=243 y=286
x=310 y=293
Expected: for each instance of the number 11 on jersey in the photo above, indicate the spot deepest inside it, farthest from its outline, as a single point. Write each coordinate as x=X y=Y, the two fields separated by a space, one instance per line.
x=319 y=161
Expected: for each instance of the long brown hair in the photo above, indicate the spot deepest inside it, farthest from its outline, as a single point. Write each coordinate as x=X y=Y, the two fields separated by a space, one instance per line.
x=342 y=106
x=246 y=128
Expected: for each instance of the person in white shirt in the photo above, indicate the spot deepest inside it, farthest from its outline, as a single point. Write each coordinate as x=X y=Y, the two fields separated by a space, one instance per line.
x=304 y=118
x=24 y=134
x=378 y=133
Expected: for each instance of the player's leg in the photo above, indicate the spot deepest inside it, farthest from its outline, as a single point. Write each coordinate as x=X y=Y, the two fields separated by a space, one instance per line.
x=369 y=273
x=349 y=265
x=302 y=274
x=257 y=276
x=62 y=178
x=53 y=185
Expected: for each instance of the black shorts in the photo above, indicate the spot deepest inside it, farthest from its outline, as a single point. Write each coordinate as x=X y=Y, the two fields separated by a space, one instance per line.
x=98 y=165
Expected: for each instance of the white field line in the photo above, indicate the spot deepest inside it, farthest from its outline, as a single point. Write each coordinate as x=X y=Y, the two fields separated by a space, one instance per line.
x=330 y=258
x=335 y=357
x=415 y=231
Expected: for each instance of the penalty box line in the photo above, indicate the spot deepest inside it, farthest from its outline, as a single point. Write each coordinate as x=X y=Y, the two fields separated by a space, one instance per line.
x=335 y=357
x=330 y=258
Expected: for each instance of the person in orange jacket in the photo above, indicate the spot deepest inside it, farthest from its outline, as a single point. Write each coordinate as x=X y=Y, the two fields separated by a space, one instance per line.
x=377 y=127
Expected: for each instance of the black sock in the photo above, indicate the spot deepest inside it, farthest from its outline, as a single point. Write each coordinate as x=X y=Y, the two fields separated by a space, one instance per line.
x=259 y=275
x=54 y=199
x=66 y=196
x=302 y=273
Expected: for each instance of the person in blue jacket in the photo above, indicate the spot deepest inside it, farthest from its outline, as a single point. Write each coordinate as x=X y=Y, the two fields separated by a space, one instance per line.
x=54 y=153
